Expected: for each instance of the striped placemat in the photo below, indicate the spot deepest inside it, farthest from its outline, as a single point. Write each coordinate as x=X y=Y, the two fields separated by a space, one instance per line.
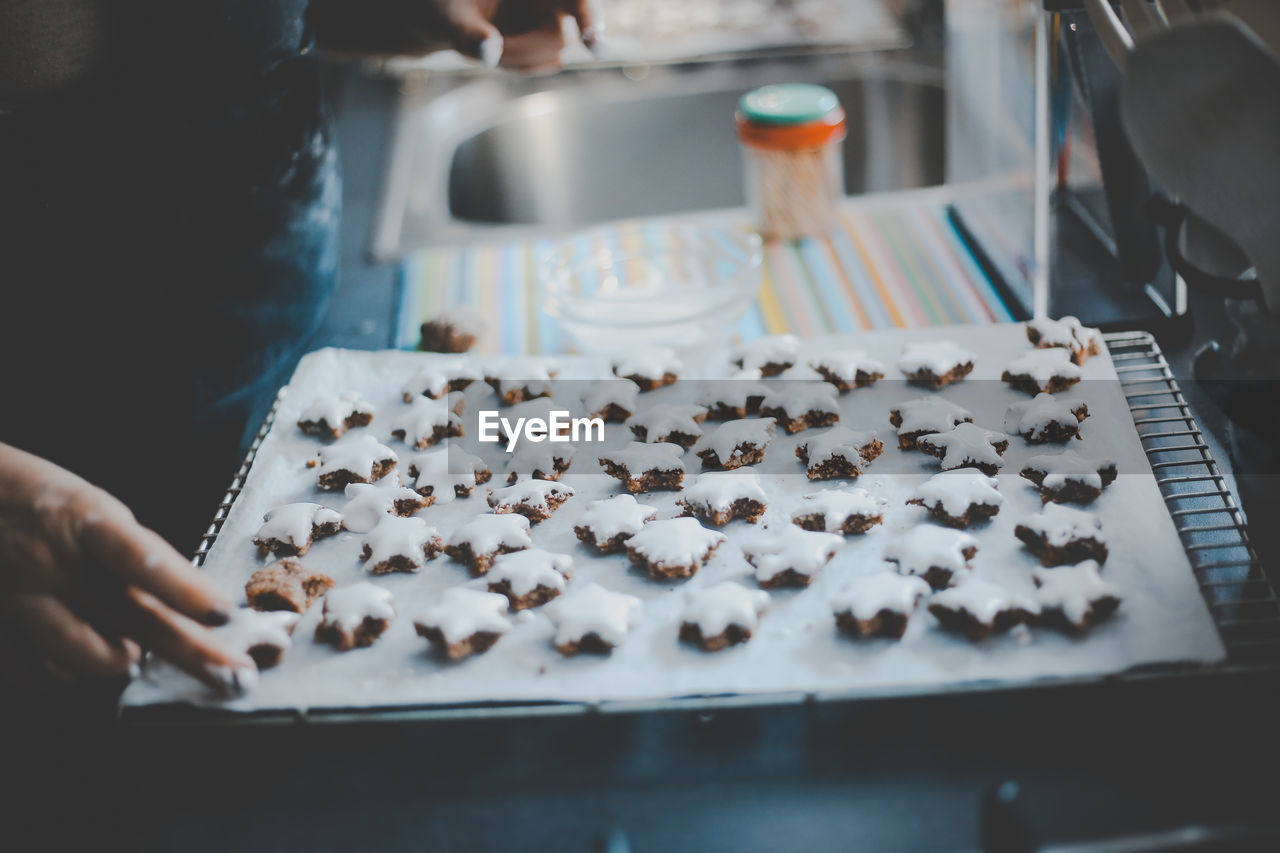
x=885 y=265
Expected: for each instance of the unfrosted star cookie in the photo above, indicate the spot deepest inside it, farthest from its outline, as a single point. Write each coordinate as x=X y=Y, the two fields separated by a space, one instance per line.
x=428 y=422
x=539 y=462
x=1069 y=334
x=838 y=453
x=937 y=554
x=361 y=459
x=534 y=499
x=399 y=545
x=263 y=635
x=878 y=605
x=935 y=364
x=845 y=511
x=369 y=503
x=529 y=578
x=799 y=406
x=1045 y=419
x=978 y=608
x=646 y=467
x=960 y=498
x=1074 y=598
x=790 y=556
x=291 y=529
x=734 y=444
x=924 y=416
x=593 y=620
x=331 y=416
x=455 y=329
x=355 y=616
x=672 y=423
x=438 y=379
x=673 y=548
x=611 y=400
x=521 y=380
x=286 y=585
x=649 y=368
x=967 y=446
x=445 y=474
x=1069 y=477
x=771 y=354
x=722 y=615
x=463 y=622
x=482 y=539
x=608 y=524
x=721 y=496
x=1060 y=535
x=847 y=369
x=1042 y=371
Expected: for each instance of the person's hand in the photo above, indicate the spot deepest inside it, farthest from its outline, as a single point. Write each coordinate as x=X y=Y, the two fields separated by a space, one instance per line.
x=521 y=35
x=84 y=587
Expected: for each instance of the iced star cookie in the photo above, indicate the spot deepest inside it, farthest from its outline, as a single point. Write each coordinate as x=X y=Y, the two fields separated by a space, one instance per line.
x=771 y=354
x=1069 y=477
x=463 y=622
x=967 y=446
x=1060 y=535
x=611 y=400
x=1045 y=419
x=593 y=620
x=521 y=380
x=332 y=416
x=845 y=511
x=291 y=529
x=455 y=329
x=529 y=578
x=839 y=453
x=439 y=379
x=799 y=406
x=1073 y=599
x=399 y=545
x=673 y=548
x=937 y=554
x=263 y=635
x=924 y=416
x=368 y=503
x=646 y=467
x=721 y=496
x=878 y=605
x=961 y=498
x=1069 y=334
x=735 y=443
x=649 y=368
x=539 y=462
x=672 y=423
x=428 y=422
x=733 y=398
x=445 y=474
x=286 y=585
x=722 y=615
x=354 y=460
x=1043 y=371
x=355 y=616
x=608 y=524
x=847 y=369
x=481 y=540
x=534 y=499
x=935 y=364
x=978 y=608
x=791 y=556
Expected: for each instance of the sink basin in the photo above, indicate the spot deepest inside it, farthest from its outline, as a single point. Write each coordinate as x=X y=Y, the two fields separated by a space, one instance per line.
x=476 y=158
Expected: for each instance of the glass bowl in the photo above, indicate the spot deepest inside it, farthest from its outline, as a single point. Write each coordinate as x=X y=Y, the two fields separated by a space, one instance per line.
x=677 y=287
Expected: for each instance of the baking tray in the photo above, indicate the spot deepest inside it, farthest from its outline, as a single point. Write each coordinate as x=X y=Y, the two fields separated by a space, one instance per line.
x=1208 y=519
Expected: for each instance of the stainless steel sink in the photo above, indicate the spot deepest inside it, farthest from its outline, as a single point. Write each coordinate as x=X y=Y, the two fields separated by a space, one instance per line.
x=485 y=156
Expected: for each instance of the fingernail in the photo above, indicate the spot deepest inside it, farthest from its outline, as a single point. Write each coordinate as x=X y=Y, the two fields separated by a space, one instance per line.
x=599 y=45
x=590 y=35
x=491 y=50
x=234 y=681
x=246 y=678
x=135 y=672
x=217 y=617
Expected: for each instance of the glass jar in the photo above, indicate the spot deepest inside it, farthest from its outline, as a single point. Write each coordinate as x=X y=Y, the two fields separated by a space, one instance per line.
x=792 y=138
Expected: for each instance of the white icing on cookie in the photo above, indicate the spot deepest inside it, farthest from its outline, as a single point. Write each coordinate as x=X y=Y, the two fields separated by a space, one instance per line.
x=845 y=365
x=736 y=391
x=461 y=612
x=779 y=350
x=715 y=491
x=532 y=375
x=1068 y=332
x=368 y=504
x=594 y=610
x=928 y=546
x=529 y=459
x=346 y=607
x=804 y=552
x=838 y=443
x=639 y=457
x=616 y=516
x=527 y=570
x=797 y=400
x=956 y=491
x=417 y=426
x=982 y=599
x=1069 y=467
x=293 y=523
x=441 y=472
x=601 y=394
x=675 y=541
x=725 y=439
x=665 y=419
x=936 y=357
x=534 y=494
x=249 y=628
x=1035 y=417
x=334 y=410
x=435 y=379
x=930 y=414
x=1072 y=590
x=1061 y=525
x=489 y=532
x=866 y=596
x=357 y=455
x=651 y=363
x=1045 y=365
x=410 y=538
x=716 y=608
x=966 y=445
x=839 y=505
